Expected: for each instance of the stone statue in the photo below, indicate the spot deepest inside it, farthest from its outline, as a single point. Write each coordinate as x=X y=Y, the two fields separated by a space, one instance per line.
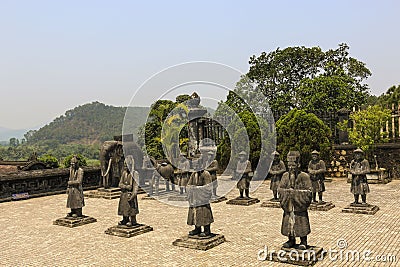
x=164 y=170
x=199 y=189
x=75 y=200
x=167 y=172
x=243 y=166
x=111 y=163
x=128 y=204
x=359 y=167
x=295 y=198
x=211 y=165
x=317 y=169
x=276 y=171
x=183 y=173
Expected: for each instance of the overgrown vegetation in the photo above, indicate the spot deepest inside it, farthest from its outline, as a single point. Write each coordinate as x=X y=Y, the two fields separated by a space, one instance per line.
x=304 y=132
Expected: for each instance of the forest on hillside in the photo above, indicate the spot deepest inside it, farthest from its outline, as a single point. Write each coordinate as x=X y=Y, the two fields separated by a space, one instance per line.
x=80 y=130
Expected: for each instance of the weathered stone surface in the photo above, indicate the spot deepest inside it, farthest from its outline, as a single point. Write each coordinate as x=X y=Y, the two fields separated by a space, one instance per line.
x=272 y=203
x=218 y=199
x=324 y=206
x=243 y=201
x=246 y=229
x=40 y=183
x=128 y=231
x=361 y=209
x=147 y=197
x=200 y=243
x=295 y=256
x=74 y=222
x=178 y=198
x=109 y=193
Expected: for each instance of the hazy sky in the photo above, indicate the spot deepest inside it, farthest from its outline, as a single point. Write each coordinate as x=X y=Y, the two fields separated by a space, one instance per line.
x=56 y=55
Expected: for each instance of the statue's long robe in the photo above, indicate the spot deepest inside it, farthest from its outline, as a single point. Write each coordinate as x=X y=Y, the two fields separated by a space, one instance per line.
x=128 y=203
x=75 y=198
x=183 y=172
x=359 y=183
x=245 y=168
x=212 y=168
x=295 y=203
x=199 y=190
x=317 y=179
x=276 y=172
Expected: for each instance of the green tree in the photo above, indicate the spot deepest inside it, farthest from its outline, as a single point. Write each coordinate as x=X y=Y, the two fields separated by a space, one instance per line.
x=81 y=160
x=49 y=160
x=151 y=134
x=390 y=97
x=14 y=142
x=304 y=132
x=247 y=107
x=366 y=129
x=289 y=78
x=182 y=98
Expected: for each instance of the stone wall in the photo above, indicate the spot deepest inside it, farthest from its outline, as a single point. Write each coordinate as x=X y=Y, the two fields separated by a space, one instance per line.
x=38 y=183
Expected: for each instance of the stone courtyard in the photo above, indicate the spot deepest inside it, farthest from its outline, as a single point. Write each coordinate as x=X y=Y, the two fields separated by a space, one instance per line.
x=29 y=238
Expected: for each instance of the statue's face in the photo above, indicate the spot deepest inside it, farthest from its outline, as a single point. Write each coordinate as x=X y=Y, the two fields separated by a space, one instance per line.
x=242 y=157
x=276 y=158
x=292 y=163
x=314 y=156
x=358 y=156
x=74 y=165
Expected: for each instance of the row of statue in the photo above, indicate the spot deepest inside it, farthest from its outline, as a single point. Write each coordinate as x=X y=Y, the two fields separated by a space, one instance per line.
x=294 y=189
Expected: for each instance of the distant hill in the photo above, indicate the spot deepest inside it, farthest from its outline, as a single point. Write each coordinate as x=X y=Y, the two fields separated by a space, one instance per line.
x=88 y=124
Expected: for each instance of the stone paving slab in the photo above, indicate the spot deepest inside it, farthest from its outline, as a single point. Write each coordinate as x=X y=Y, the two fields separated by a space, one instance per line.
x=29 y=238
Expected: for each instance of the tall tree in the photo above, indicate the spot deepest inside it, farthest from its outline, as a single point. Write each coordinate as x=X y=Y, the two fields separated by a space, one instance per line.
x=290 y=77
x=366 y=129
x=390 y=97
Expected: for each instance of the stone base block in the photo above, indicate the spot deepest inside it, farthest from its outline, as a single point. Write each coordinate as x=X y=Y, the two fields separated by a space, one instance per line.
x=361 y=209
x=178 y=198
x=147 y=197
x=243 y=201
x=109 y=193
x=200 y=243
x=74 y=222
x=324 y=206
x=128 y=231
x=272 y=203
x=296 y=256
x=218 y=199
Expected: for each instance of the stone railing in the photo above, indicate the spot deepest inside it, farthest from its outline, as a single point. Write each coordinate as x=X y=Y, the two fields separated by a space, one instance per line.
x=26 y=184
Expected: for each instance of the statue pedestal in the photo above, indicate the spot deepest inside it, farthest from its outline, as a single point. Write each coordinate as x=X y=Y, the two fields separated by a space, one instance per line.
x=152 y=197
x=182 y=197
x=243 y=201
x=128 y=231
x=200 y=243
x=297 y=256
x=324 y=206
x=218 y=199
x=74 y=222
x=361 y=209
x=272 y=203
x=109 y=193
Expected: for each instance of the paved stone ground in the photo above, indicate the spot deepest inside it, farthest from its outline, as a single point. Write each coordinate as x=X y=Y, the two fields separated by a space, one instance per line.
x=28 y=237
